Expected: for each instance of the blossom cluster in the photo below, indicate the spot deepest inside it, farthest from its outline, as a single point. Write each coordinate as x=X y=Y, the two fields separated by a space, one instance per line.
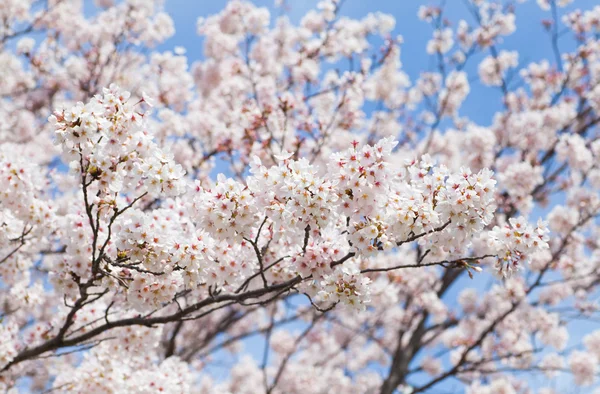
x=227 y=210
x=107 y=141
x=293 y=195
x=135 y=372
x=516 y=242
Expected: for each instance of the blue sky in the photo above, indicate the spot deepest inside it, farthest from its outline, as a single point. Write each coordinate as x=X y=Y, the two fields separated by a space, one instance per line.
x=531 y=41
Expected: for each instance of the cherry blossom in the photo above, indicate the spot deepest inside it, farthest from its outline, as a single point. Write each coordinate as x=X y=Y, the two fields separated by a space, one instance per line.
x=300 y=189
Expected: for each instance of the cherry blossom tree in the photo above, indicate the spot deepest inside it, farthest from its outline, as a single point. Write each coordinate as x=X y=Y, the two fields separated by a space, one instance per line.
x=293 y=213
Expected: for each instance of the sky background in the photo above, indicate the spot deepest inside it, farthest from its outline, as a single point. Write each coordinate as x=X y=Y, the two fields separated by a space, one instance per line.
x=531 y=41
